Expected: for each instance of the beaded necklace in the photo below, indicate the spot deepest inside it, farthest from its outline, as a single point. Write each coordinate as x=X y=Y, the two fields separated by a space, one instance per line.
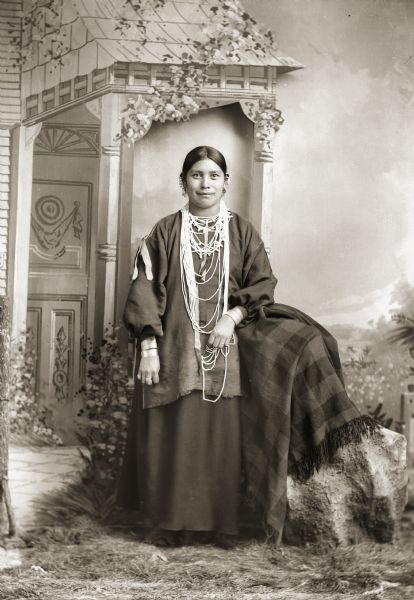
x=208 y=237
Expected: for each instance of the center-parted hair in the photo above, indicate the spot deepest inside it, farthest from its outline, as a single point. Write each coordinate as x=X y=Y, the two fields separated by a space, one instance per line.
x=200 y=153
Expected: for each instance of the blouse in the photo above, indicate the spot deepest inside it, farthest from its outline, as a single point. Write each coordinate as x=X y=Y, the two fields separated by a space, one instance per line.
x=155 y=307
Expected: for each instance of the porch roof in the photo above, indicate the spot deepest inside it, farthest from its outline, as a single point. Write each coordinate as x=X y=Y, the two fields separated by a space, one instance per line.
x=93 y=41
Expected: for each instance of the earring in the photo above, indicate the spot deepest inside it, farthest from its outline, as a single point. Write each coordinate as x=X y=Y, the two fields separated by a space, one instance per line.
x=226 y=183
x=182 y=186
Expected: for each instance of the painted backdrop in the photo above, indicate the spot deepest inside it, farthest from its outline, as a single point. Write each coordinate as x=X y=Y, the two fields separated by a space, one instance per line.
x=343 y=230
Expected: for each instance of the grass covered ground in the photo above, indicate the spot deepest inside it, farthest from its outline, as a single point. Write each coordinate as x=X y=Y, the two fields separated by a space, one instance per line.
x=87 y=562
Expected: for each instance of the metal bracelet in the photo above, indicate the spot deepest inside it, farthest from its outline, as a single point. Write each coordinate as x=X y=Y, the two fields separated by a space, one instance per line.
x=149 y=352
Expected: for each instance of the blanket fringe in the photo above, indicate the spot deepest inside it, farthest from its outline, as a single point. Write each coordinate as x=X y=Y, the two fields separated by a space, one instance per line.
x=350 y=432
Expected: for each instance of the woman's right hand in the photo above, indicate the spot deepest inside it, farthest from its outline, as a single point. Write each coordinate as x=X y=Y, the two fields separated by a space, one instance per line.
x=149 y=368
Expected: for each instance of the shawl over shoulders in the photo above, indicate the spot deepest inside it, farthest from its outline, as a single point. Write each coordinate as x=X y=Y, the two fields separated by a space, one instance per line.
x=155 y=307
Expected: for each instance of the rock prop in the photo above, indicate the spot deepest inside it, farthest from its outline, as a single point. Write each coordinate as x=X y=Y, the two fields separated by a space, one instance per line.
x=359 y=496
x=410 y=490
x=9 y=559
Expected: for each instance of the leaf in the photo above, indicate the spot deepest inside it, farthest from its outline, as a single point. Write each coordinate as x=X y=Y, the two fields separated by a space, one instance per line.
x=403 y=334
x=158 y=555
x=38 y=569
x=377 y=410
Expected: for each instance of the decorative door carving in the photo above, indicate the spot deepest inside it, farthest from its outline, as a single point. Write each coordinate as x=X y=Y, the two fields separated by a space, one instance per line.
x=58 y=288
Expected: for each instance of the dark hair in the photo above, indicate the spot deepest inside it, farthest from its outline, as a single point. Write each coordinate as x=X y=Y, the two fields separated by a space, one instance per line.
x=200 y=153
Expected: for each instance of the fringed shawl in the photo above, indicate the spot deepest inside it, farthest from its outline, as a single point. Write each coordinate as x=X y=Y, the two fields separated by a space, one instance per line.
x=296 y=412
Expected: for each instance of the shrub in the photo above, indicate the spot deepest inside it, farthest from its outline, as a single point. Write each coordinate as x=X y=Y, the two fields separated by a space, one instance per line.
x=27 y=418
x=103 y=420
x=371 y=386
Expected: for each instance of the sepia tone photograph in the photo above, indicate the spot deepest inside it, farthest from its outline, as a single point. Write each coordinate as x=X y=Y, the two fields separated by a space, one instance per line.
x=206 y=299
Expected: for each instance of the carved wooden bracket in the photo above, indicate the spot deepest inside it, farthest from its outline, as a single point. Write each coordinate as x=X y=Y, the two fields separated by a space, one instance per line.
x=267 y=120
x=95 y=107
x=31 y=133
x=261 y=111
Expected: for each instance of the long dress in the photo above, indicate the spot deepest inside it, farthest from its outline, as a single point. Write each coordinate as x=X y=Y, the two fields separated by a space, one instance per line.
x=182 y=466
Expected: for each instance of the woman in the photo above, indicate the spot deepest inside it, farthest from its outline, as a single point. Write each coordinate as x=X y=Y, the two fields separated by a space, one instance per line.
x=202 y=299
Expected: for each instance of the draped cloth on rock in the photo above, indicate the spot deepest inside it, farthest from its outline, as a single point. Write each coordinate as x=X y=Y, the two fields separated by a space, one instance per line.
x=295 y=410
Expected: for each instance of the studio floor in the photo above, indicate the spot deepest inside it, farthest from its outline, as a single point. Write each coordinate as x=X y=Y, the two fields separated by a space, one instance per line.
x=92 y=562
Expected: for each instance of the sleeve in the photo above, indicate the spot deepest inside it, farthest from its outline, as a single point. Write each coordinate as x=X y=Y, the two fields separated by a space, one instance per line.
x=147 y=296
x=258 y=281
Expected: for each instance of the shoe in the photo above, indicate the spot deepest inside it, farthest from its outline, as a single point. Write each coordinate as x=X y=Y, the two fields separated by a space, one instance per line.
x=186 y=538
x=163 y=538
x=225 y=541
x=206 y=537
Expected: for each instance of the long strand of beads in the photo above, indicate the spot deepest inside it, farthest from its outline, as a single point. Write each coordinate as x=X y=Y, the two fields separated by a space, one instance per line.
x=209 y=360
x=189 y=244
x=208 y=238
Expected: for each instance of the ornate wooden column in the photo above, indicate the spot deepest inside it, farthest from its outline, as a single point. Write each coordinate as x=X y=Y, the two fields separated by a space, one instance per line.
x=21 y=203
x=267 y=120
x=124 y=241
x=262 y=192
x=108 y=214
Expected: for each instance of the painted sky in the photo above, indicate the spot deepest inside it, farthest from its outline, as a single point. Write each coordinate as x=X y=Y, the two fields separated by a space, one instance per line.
x=343 y=230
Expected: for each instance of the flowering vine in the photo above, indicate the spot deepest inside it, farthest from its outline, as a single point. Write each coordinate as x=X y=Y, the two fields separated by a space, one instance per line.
x=230 y=33
x=43 y=17
x=142 y=112
x=228 y=36
x=268 y=119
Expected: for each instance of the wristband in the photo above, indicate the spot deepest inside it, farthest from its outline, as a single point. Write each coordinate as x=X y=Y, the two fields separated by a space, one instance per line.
x=149 y=352
x=236 y=314
x=149 y=343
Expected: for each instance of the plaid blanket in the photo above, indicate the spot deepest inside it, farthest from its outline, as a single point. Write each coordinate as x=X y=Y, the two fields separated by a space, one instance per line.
x=295 y=412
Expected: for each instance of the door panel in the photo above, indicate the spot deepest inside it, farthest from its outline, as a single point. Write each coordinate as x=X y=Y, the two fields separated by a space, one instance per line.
x=57 y=329
x=60 y=237
x=58 y=288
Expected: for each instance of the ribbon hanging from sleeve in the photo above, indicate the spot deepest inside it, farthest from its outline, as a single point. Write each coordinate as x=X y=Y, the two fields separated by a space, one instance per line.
x=146 y=259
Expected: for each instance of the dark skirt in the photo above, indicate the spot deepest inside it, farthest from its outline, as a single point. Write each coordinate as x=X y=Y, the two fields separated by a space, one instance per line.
x=182 y=466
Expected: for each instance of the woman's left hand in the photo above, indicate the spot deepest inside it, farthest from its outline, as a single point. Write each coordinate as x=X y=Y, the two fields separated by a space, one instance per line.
x=222 y=332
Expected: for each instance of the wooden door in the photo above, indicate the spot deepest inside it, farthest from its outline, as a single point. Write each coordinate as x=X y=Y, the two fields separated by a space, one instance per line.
x=58 y=294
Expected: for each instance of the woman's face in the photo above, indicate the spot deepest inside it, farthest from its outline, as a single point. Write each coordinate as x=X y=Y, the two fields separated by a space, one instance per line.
x=205 y=185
